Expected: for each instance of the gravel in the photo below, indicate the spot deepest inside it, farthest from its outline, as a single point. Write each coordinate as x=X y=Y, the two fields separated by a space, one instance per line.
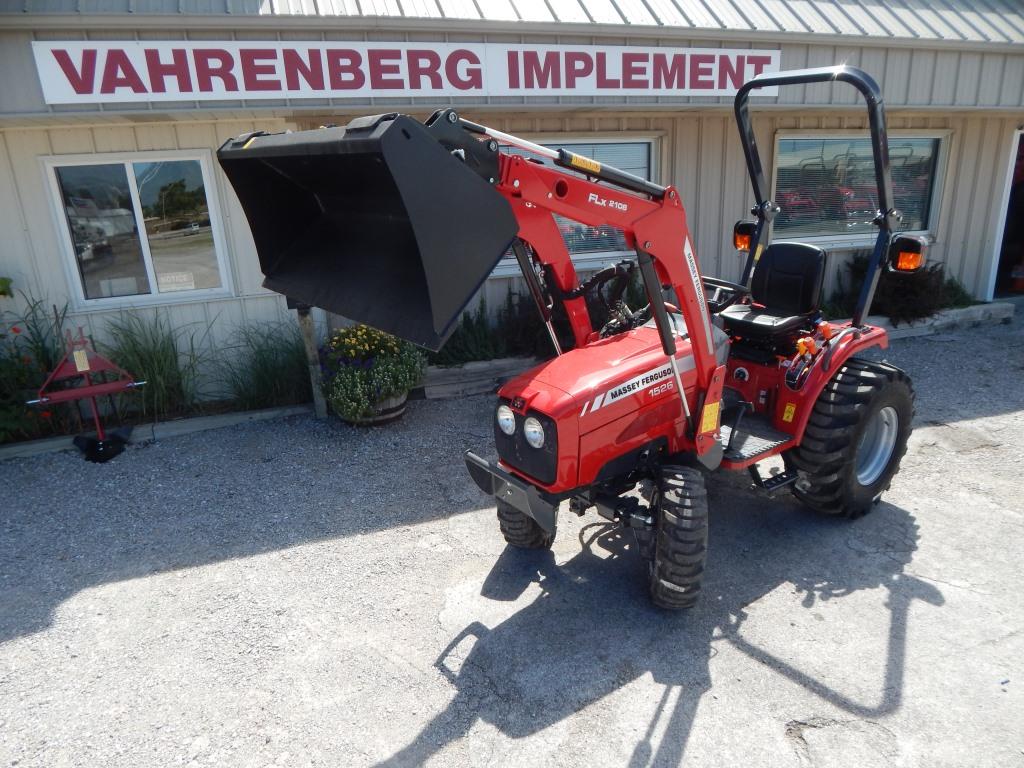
x=301 y=593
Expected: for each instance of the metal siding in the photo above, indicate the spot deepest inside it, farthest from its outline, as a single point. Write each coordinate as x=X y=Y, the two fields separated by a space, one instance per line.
x=458 y=9
x=867 y=21
x=954 y=20
x=807 y=12
x=635 y=12
x=698 y=14
x=424 y=9
x=47 y=254
x=705 y=226
x=759 y=19
x=990 y=79
x=922 y=71
x=783 y=16
x=570 y=11
x=380 y=8
x=891 y=20
x=967 y=82
x=18 y=66
x=939 y=23
x=985 y=197
x=944 y=77
x=16 y=259
x=836 y=14
x=853 y=56
x=1011 y=90
x=981 y=20
x=821 y=93
x=666 y=11
x=602 y=11
x=498 y=10
x=895 y=79
x=1011 y=15
x=793 y=57
x=728 y=17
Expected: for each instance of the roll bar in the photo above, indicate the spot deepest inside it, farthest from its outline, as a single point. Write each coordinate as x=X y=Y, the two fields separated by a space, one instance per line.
x=888 y=217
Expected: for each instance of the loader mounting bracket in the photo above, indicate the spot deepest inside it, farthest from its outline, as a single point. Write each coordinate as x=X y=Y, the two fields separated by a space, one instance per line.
x=480 y=156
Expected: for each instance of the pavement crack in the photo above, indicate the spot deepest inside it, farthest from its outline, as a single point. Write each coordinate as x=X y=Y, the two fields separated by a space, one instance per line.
x=855 y=731
x=964 y=587
x=795 y=735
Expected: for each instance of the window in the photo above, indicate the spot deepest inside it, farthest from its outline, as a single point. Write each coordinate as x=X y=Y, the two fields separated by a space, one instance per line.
x=139 y=227
x=633 y=157
x=826 y=186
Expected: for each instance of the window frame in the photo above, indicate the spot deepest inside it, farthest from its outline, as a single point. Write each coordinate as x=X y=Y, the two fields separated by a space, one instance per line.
x=79 y=301
x=867 y=239
x=589 y=262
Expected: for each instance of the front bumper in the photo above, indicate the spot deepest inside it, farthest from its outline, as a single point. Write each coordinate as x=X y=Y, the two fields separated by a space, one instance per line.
x=495 y=481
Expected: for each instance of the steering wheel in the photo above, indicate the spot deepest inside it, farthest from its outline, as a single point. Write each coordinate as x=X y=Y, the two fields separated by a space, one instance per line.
x=723 y=293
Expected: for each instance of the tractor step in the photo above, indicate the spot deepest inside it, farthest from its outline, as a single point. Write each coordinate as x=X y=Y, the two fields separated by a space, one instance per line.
x=754 y=437
x=772 y=483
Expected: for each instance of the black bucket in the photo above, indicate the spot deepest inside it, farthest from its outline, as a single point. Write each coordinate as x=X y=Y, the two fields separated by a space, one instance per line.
x=376 y=221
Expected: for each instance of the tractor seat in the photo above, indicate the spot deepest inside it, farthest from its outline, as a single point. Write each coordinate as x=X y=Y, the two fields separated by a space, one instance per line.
x=787 y=285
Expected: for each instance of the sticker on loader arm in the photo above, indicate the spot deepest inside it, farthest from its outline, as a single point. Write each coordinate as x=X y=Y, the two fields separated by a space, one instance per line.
x=789 y=413
x=709 y=418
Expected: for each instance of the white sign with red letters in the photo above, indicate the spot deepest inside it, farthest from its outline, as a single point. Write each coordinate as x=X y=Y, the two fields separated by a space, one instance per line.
x=90 y=72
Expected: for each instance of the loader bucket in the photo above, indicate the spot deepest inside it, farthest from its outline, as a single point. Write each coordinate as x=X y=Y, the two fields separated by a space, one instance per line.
x=375 y=221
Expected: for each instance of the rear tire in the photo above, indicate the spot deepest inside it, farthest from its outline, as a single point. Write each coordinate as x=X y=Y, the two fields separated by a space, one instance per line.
x=855 y=438
x=521 y=530
x=681 y=538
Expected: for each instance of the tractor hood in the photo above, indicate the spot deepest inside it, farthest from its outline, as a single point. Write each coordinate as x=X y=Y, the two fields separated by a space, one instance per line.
x=599 y=381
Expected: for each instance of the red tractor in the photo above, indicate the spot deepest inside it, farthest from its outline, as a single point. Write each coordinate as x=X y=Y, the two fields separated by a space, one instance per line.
x=396 y=223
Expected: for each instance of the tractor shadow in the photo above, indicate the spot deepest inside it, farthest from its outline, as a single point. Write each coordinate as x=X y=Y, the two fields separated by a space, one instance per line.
x=67 y=525
x=592 y=630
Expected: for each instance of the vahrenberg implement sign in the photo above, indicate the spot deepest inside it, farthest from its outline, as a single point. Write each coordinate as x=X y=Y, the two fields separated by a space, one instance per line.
x=93 y=72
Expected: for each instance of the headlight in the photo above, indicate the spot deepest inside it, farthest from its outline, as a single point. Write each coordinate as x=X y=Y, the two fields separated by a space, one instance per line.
x=533 y=432
x=507 y=420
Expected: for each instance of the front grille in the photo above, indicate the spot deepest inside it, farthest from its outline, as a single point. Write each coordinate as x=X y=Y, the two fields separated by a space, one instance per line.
x=539 y=463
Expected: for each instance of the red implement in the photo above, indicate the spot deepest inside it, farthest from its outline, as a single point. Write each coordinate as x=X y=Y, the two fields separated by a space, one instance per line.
x=84 y=374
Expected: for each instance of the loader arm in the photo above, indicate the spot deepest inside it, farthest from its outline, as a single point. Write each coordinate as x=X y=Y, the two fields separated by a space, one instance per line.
x=655 y=228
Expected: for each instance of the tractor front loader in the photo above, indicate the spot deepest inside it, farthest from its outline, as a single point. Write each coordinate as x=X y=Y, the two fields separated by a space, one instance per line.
x=397 y=223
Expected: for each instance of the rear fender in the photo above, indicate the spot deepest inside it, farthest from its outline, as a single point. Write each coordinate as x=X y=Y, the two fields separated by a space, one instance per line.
x=793 y=409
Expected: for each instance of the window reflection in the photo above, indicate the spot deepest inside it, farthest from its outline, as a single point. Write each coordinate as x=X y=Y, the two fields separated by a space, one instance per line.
x=98 y=206
x=177 y=221
x=827 y=186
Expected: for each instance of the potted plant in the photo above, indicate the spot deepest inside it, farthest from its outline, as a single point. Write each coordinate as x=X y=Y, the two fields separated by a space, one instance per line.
x=368 y=374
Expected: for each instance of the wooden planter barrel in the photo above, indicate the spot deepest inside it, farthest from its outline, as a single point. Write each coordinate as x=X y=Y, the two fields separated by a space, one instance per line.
x=385 y=410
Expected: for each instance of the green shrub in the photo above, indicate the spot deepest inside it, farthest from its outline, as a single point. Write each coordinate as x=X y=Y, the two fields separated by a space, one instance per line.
x=474 y=339
x=363 y=366
x=518 y=330
x=900 y=297
x=166 y=358
x=30 y=347
x=17 y=379
x=268 y=367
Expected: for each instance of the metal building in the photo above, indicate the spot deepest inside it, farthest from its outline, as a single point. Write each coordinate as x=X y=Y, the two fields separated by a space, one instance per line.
x=110 y=112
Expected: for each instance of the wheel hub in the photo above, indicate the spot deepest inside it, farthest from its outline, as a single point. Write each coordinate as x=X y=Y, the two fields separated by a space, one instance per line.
x=877 y=445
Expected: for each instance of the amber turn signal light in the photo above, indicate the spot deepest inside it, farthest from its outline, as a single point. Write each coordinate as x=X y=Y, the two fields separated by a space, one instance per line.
x=743 y=235
x=908 y=253
x=906 y=261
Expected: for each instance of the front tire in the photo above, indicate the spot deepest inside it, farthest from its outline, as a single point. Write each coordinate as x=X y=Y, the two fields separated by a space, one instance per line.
x=855 y=439
x=681 y=538
x=520 y=530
